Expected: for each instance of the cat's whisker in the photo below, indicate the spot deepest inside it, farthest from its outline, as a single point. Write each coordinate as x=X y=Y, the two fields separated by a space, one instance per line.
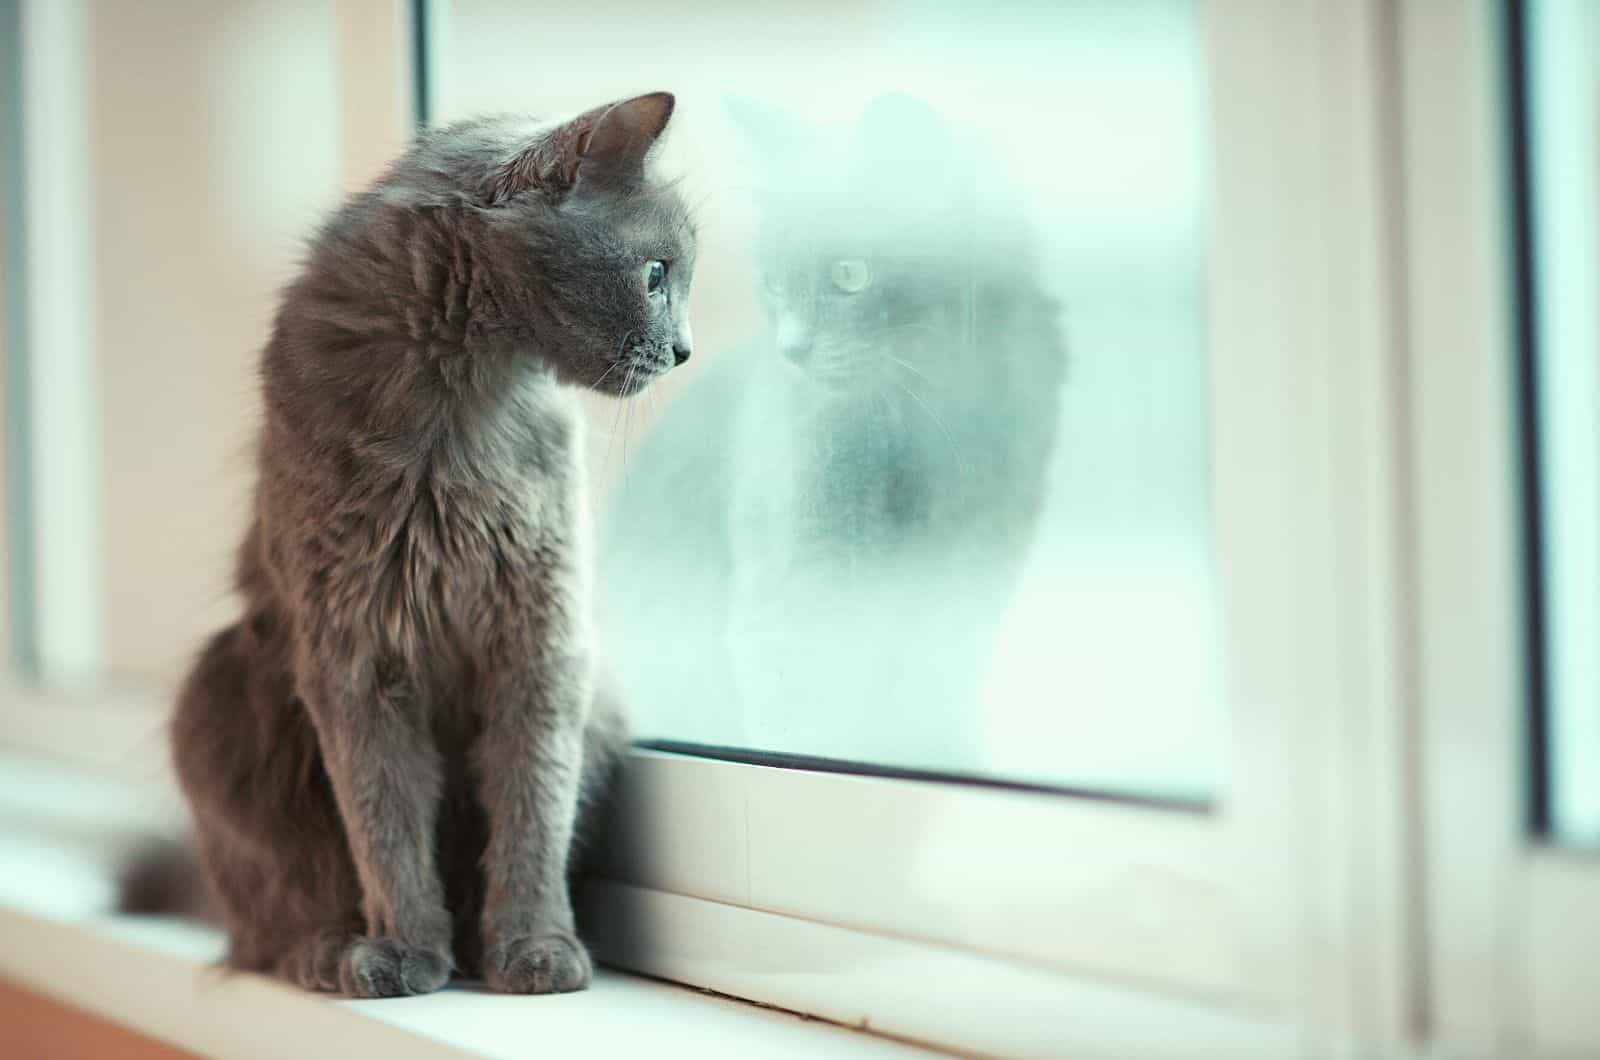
x=655 y=412
x=627 y=421
x=955 y=450
x=912 y=325
x=616 y=358
x=908 y=366
x=627 y=424
x=616 y=417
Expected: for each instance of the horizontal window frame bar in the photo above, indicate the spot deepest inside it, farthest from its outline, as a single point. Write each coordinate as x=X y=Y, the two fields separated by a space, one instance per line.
x=805 y=763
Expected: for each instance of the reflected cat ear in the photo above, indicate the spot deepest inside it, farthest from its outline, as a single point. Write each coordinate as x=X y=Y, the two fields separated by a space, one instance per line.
x=906 y=129
x=770 y=131
x=604 y=147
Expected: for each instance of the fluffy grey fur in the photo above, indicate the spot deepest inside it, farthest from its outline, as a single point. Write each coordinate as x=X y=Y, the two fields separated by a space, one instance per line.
x=388 y=755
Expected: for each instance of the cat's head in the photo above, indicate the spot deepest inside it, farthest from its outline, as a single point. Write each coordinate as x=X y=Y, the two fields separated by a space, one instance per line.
x=871 y=247
x=580 y=235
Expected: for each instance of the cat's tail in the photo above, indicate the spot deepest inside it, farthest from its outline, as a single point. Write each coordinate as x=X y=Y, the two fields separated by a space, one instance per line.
x=163 y=876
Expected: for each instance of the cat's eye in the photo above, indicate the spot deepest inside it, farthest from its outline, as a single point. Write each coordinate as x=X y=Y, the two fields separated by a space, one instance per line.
x=655 y=276
x=850 y=275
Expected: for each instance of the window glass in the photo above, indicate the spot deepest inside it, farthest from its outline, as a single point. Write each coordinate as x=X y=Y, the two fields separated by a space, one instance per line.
x=933 y=491
x=1562 y=123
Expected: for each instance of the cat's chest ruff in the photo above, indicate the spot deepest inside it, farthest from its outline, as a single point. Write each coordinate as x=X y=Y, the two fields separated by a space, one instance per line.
x=839 y=474
x=494 y=532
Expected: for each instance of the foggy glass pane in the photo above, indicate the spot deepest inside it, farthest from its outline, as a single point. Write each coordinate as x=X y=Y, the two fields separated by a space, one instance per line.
x=934 y=490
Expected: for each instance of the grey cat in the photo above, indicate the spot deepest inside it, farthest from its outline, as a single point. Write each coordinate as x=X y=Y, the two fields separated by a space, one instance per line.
x=832 y=517
x=388 y=756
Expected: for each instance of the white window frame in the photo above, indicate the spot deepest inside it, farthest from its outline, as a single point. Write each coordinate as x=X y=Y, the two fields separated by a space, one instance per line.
x=1513 y=923
x=56 y=300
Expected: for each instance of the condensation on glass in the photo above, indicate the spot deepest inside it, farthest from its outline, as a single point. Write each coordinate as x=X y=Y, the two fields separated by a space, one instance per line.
x=934 y=491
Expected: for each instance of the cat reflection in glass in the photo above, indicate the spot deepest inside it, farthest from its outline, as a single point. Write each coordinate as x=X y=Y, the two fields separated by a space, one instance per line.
x=813 y=550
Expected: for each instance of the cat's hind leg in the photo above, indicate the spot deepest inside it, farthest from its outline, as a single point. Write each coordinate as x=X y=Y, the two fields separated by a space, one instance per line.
x=270 y=840
x=318 y=960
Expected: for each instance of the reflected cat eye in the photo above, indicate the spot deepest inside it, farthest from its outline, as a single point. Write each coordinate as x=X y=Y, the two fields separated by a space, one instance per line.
x=850 y=275
x=655 y=276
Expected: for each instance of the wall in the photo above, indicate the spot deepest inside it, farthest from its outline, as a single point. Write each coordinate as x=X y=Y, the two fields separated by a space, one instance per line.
x=215 y=133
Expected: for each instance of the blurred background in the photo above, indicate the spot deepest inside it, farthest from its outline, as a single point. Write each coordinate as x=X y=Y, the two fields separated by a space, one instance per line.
x=162 y=161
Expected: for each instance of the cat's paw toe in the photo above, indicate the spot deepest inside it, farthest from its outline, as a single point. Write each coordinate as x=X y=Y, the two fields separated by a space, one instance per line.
x=315 y=963
x=556 y=963
x=391 y=968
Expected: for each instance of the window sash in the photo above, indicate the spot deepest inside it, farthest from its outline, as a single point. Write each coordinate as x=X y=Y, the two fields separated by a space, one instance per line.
x=1510 y=925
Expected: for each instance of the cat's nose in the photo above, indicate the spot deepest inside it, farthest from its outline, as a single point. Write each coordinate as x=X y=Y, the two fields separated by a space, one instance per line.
x=682 y=344
x=794 y=340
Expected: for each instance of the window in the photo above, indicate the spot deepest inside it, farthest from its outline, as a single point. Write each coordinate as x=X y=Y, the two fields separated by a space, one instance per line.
x=934 y=492
x=1180 y=626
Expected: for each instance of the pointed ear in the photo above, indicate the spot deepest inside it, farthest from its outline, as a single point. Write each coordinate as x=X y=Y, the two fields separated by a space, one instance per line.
x=604 y=147
x=770 y=132
x=619 y=144
x=902 y=127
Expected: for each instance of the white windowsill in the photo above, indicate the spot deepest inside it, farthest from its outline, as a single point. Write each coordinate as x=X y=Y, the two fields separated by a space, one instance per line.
x=669 y=915
x=62 y=829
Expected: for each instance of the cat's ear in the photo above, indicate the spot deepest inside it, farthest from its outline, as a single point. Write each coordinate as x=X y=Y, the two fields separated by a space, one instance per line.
x=604 y=147
x=771 y=132
x=906 y=129
x=617 y=145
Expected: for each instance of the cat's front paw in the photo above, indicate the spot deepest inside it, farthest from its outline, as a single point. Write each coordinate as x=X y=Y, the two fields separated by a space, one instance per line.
x=391 y=968
x=556 y=963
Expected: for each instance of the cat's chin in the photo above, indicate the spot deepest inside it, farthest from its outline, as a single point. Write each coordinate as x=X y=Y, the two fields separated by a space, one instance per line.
x=839 y=385
x=623 y=380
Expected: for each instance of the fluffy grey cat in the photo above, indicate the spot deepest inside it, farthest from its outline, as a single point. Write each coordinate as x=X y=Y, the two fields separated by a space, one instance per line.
x=388 y=756
x=831 y=518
